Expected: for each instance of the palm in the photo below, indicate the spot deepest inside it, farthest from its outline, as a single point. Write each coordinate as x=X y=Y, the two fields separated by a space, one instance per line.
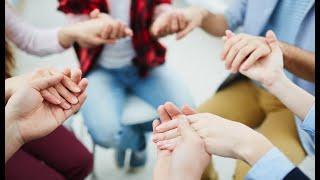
x=37 y=118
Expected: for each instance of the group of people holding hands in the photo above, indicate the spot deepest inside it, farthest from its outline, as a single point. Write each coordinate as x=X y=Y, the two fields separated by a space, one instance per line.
x=263 y=114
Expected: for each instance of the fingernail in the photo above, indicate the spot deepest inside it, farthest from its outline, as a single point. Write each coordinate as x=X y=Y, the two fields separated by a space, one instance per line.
x=74 y=100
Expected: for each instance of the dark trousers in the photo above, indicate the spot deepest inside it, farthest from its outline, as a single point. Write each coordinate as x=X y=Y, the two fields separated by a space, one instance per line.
x=57 y=156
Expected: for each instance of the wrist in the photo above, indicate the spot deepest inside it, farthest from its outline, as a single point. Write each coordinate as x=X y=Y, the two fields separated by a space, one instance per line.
x=277 y=83
x=203 y=14
x=255 y=148
x=67 y=36
x=12 y=134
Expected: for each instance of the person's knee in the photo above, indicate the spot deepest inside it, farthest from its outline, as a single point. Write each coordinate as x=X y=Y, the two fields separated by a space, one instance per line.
x=86 y=164
x=105 y=137
x=81 y=165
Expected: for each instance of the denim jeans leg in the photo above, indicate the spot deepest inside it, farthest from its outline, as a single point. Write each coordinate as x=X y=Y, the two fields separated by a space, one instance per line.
x=103 y=108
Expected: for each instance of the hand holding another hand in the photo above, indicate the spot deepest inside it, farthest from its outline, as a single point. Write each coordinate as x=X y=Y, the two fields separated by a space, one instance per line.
x=188 y=159
x=221 y=137
x=31 y=114
x=100 y=29
x=179 y=21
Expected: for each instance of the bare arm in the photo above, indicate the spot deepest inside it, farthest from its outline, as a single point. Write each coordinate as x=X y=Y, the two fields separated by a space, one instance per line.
x=299 y=62
x=13 y=142
x=295 y=98
x=215 y=24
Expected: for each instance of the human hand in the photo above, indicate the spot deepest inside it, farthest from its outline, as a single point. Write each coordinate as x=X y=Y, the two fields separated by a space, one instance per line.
x=168 y=22
x=169 y=130
x=188 y=159
x=218 y=135
x=61 y=94
x=98 y=30
x=268 y=69
x=179 y=21
x=31 y=115
x=241 y=51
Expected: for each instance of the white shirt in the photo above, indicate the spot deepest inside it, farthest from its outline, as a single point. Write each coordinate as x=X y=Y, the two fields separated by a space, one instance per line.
x=122 y=52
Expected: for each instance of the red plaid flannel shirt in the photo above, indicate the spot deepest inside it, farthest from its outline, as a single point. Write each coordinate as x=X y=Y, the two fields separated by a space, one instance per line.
x=150 y=53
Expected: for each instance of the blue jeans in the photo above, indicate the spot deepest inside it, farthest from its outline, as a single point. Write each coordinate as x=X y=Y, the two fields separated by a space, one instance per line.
x=107 y=93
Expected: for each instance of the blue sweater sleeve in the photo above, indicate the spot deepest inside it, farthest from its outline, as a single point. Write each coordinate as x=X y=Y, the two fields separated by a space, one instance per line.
x=309 y=122
x=273 y=165
x=235 y=14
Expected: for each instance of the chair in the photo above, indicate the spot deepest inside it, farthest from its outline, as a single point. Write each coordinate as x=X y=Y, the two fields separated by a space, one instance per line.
x=135 y=111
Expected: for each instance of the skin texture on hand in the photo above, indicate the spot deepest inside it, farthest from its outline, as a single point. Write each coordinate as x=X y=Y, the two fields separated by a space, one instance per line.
x=60 y=94
x=188 y=159
x=98 y=30
x=217 y=133
x=179 y=21
x=29 y=116
x=243 y=50
x=267 y=68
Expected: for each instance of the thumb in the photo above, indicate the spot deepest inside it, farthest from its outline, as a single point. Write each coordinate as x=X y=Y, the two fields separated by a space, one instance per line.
x=46 y=81
x=185 y=129
x=94 y=14
x=272 y=40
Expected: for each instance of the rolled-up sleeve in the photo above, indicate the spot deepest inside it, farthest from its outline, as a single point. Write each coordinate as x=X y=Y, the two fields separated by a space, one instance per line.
x=235 y=14
x=309 y=122
x=273 y=165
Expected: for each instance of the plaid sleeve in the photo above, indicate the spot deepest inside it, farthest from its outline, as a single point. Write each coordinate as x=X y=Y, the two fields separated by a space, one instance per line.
x=80 y=6
x=163 y=1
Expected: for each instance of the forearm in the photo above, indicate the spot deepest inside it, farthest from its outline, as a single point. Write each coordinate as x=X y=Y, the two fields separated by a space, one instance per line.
x=295 y=98
x=215 y=24
x=68 y=34
x=298 y=61
x=12 y=139
x=161 y=170
x=184 y=176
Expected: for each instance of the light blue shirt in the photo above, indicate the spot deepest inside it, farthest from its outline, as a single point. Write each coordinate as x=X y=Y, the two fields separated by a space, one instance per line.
x=297 y=21
x=309 y=122
x=274 y=164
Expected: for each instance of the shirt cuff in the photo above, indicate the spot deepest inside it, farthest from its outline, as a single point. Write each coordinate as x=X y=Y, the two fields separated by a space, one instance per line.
x=53 y=37
x=309 y=122
x=273 y=165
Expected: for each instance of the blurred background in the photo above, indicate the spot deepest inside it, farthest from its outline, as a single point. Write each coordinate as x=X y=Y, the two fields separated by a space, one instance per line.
x=195 y=58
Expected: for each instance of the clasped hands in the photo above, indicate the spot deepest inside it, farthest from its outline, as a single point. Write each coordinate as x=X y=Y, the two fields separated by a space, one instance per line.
x=101 y=28
x=258 y=58
x=39 y=102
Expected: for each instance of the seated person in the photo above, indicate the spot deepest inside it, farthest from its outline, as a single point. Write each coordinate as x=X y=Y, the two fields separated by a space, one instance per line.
x=132 y=65
x=34 y=135
x=239 y=98
x=252 y=147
